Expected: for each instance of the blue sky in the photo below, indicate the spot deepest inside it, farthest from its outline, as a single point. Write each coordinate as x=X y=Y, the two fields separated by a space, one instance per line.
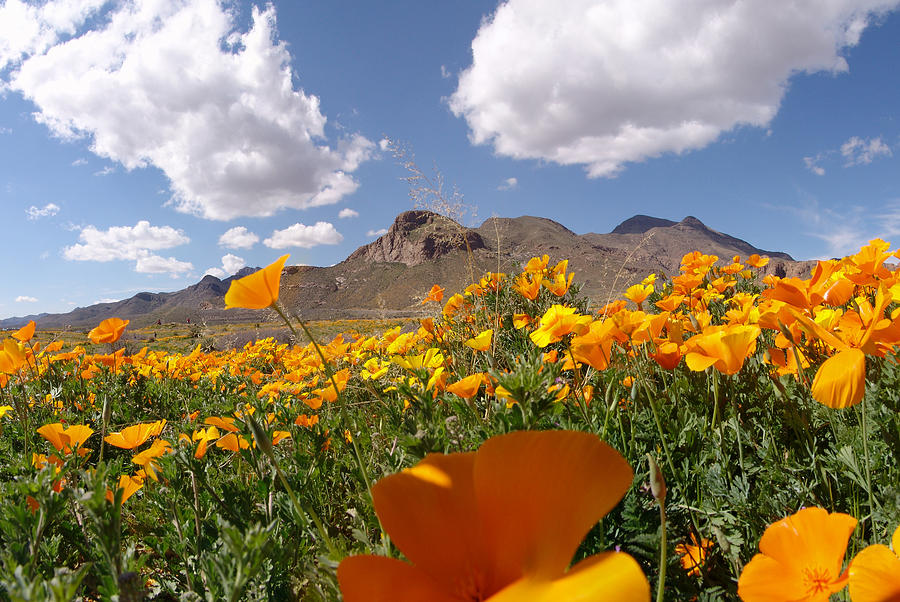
x=146 y=143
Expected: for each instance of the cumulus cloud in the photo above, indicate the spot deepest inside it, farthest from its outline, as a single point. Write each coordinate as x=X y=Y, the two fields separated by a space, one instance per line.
x=230 y=265
x=131 y=243
x=508 y=184
x=859 y=151
x=379 y=232
x=48 y=210
x=606 y=83
x=300 y=235
x=347 y=212
x=25 y=299
x=238 y=238
x=154 y=264
x=176 y=85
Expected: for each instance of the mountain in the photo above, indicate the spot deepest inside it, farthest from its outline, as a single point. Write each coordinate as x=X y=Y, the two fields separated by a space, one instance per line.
x=390 y=275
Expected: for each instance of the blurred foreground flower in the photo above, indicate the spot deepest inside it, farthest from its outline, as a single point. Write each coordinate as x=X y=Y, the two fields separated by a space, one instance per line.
x=481 y=526
x=875 y=573
x=801 y=559
x=259 y=290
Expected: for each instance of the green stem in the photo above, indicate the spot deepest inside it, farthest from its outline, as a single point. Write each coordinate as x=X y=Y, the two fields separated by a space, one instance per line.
x=661 y=585
x=865 y=438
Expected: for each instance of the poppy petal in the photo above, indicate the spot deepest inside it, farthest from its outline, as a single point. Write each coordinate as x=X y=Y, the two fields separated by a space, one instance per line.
x=764 y=579
x=524 y=479
x=875 y=575
x=841 y=379
x=428 y=511
x=378 y=579
x=608 y=576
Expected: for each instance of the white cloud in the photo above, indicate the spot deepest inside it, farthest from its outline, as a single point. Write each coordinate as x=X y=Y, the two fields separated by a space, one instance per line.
x=347 y=212
x=384 y=144
x=25 y=299
x=812 y=164
x=103 y=300
x=445 y=73
x=154 y=264
x=48 y=210
x=27 y=29
x=859 y=151
x=230 y=265
x=79 y=162
x=508 y=184
x=105 y=171
x=173 y=84
x=379 y=232
x=131 y=243
x=605 y=83
x=300 y=235
x=238 y=238
x=5 y=130
x=123 y=242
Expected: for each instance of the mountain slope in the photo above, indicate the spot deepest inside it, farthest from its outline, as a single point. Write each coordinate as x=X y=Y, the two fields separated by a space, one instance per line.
x=391 y=274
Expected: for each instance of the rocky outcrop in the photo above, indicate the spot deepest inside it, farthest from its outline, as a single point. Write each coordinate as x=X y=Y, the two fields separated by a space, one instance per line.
x=416 y=237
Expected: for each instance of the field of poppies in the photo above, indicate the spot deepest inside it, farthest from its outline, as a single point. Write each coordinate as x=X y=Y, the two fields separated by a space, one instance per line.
x=711 y=436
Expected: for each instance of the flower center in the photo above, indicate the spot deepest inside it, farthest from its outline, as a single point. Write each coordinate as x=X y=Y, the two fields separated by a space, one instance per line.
x=471 y=587
x=817 y=580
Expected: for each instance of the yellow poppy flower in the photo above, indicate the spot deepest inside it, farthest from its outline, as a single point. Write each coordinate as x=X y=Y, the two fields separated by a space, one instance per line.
x=482 y=342
x=875 y=573
x=724 y=347
x=480 y=526
x=801 y=559
x=467 y=387
x=557 y=322
x=259 y=290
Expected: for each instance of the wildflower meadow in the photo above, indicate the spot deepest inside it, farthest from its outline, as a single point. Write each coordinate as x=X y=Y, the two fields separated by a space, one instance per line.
x=713 y=435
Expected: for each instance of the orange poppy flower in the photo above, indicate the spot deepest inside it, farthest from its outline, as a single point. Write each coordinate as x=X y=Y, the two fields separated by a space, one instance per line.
x=134 y=436
x=594 y=348
x=259 y=290
x=801 y=558
x=66 y=440
x=757 y=261
x=693 y=556
x=109 y=331
x=480 y=526
x=528 y=285
x=25 y=333
x=875 y=573
x=724 y=347
x=435 y=294
x=128 y=484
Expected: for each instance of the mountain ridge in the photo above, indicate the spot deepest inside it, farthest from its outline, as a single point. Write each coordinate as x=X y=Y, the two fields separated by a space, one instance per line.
x=389 y=276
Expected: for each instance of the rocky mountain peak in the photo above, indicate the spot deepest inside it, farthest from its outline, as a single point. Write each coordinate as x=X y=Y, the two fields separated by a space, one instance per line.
x=418 y=236
x=640 y=224
x=692 y=222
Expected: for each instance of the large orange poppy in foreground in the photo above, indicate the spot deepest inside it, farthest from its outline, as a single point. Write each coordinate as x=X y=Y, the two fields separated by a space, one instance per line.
x=500 y=524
